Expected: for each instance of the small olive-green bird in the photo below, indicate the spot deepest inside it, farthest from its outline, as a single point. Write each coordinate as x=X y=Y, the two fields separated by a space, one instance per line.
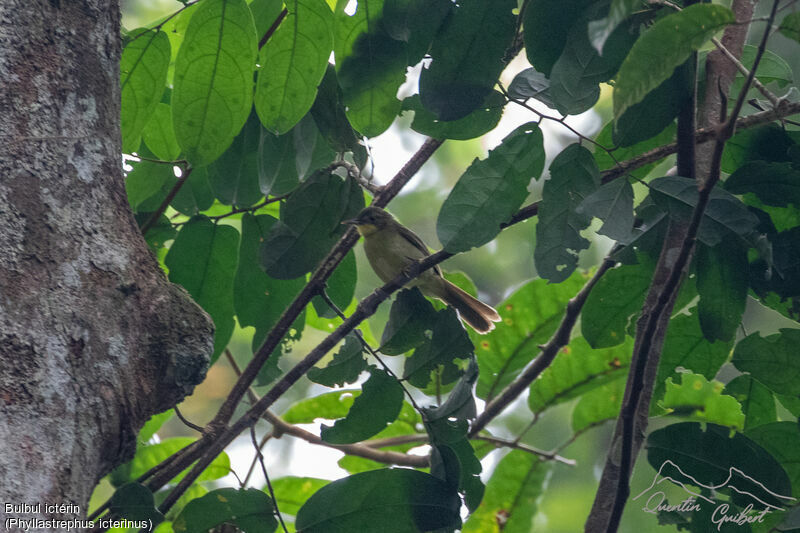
x=391 y=247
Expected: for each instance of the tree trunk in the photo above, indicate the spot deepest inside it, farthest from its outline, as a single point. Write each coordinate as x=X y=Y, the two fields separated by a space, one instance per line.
x=93 y=338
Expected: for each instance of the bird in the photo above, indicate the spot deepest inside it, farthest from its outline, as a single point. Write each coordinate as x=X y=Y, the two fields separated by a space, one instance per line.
x=391 y=248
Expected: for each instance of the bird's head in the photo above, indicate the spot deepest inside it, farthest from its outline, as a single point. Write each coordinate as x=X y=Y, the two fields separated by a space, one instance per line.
x=370 y=220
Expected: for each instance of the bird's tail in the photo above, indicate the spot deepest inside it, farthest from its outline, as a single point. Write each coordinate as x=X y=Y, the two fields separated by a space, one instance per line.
x=474 y=312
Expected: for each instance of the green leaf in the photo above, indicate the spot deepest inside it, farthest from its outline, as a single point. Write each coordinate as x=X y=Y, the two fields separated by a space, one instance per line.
x=234 y=175
x=291 y=492
x=329 y=115
x=460 y=402
x=467 y=57
x=158 y=234
x=399 y=499
x=652 y=117
x=513 y=491
x=613 y=204
x=203 y=260
x=250 y=510
x=530 y=316
x=345 y=367
x=790 y=26
x=784 y=279
x=480 y=121
x=153 y=425
x=411 y=315
x=686 y=347
x=598 y=405
x=576 y=74
x=776 y=184
x=768 y=143
x=159 y=136
x=147 y=183
x=531 y=84
x=454 y=460
x=724 y=215
x=578 y=368
x=370 y=66
x=150 y=455
x=704 y=400
x=143 y=74
x=195 y=195
x=415 y=22
x=772 y=360
x=780 y=440
x=605 y=160
x=293 y=62
x=376 y=407
x=331 y=405
x=265 y=13
x=491 y=191
x=771 y=69
x=310 y=224
x=758 y=403
x=340 y=287
x=213 y=90
x=545 y=29
x=722 y=284
x=600 y=30
x=260 y=300
x=278 y=172
x=573 y=177
x=612 y=304
x=713 y=457
x=448 y=342
x=134 y=501
x=667 y=44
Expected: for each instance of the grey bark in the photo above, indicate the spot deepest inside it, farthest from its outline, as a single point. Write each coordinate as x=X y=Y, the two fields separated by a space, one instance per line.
x=93 y=338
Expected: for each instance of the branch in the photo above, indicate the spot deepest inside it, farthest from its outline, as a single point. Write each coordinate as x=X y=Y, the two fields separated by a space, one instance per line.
x=167 y=200
x=548 y=353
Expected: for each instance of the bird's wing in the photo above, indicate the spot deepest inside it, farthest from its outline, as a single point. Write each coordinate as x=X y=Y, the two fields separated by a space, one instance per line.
x=418 y=243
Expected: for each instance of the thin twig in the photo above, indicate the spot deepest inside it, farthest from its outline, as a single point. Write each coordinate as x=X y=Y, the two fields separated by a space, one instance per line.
x=266 y=476
x=185 y=421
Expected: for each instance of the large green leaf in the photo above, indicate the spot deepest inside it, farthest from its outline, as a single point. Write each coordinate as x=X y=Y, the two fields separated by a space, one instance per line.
x=250 y=510
x=331 y=405
x=291 y=492
x=480 y=121
x=776 y=184
x=454 y=460
x=577 y=369
x=213 y=89
x=545 y=26
x=415 y=22
x=411 y=315
x=159 y=135
x=195 y=195
x=310 y=224
x=293 y=62
x=722 y=285
x=143 y=74
x=134 y=501
x=467 y=57
x=577 y=73
x=345 y=367
x=376 y=407
x=370 y=66
x=790 y=26
x=612 y=304
x=667 y=44
x=613 y=204
x=768 y=143
x=330 y=116
x=780 y=440
x=530 y=316
x=713 y=457
x=772 y=360
x=703 y=400
x=260 y=300
x=600 y=30
x=234 y=175
x=398 y=499
x=491 y=191
x=513 y=492
x=147 y=185
x=447 y=342
x=598 y=405
x=686 y=347
x=724 y=215
x=573 y=177
x=203 y=260
x=758 y=403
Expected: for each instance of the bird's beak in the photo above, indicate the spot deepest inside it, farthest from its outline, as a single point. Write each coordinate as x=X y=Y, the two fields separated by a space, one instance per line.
x=351 y=222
